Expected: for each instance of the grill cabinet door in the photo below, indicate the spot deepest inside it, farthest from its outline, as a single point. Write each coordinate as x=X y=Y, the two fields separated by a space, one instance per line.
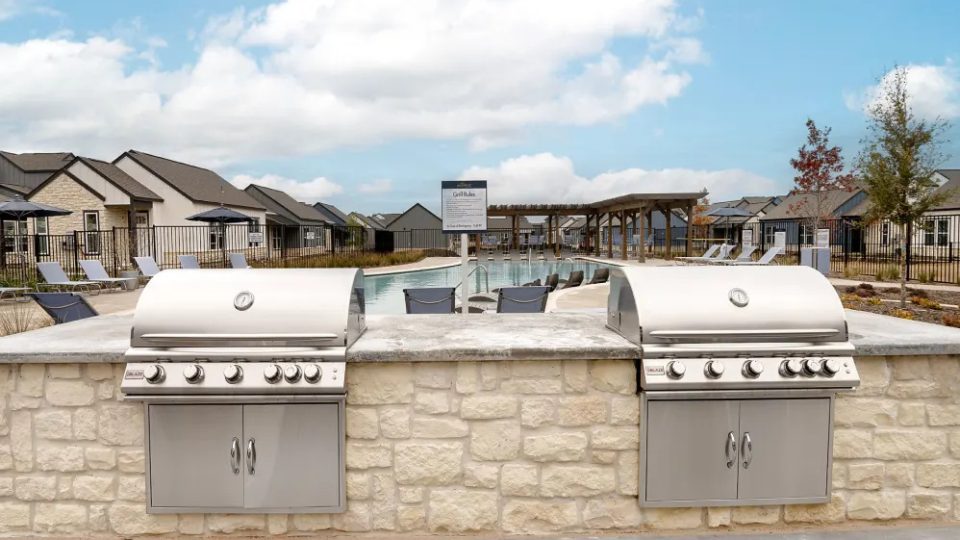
x=790 y=439
x=297 y=455
x=686 y=456
x=190 y=456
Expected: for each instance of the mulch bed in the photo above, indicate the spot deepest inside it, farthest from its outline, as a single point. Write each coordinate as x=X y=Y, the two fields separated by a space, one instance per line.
x=937 y=307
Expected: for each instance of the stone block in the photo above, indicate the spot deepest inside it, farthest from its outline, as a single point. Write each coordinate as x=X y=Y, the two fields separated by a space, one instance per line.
x=603 y=457
x=615 y=438
x=674 y=518
x=131 y=488
x=130 y=461
x=938 y=475
x=88 y=487
x=488 y=407
x=909 y=445
x=586 y=410
x=495 y=441
x=719 y=516
x=438 y=427
x=21 y=440
x=612 y=513
x=379 y=384
x=538 y=411
x=943 y=415
x=358 y=485
x=428 y=463
x=865 y=476
x=362 y=423
x=910 y=368
x=531 y=516
x=576 y=375
x=35 y=488
x=85 y=424
x=481 y=475
x=928 y=505
x=865 y=412
x=876 y=505
x=14 y=516
x=832 y=512
x=367 y=455
x=30 y=380
x=577 y=480
x=191 y=524
x=99 y=372
x=278 y=523
x=434 y=375
x=899 y=475
x=6 y=457
x=121 y=424
x=618 y=376
x=410 y=494
x=231 y=523
x=63 y=371
x=747 y=515
x=628 y=472
x=468 y=378
x=852 y=443
x=532 y=386
x=395 y=423
x=60 y=458
x=411 y=518
x=69 y=393
x=625 y=410
x=564 y=446
x=427 y=402
x=912 y=414
x=519 y=479
x=459 y=510
x=59 y=517
x=312 y=522
x=53 y=424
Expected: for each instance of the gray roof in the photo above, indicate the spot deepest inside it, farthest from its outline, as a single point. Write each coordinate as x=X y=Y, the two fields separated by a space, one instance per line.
x=195 y=183
x=793 y=206
x=333 y=212
x=951 y=186
x=14 y=189
x=39 y=161
x=366 y=220
x=506 y=222
x=279 y=202
x=123 y=181
x=385 y=219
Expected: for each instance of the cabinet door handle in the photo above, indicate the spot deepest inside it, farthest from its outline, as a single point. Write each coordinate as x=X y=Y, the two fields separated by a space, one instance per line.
x=235 y=455
x=730 y=449
x=747 y=447
x=252 y=456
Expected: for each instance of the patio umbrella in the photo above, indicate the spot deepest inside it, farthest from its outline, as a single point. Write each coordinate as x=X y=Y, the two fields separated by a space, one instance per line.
x=18 y=209
x=727 y=212
x=222 y=215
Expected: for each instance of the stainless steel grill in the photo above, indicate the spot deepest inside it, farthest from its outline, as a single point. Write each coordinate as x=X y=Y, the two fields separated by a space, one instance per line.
x=242 y=377
x=738 y=373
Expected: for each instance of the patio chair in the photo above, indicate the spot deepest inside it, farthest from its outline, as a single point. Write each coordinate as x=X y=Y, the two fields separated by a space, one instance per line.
x=746 y=255
x=96 y=272
x=575 y=279
x=552 y=281
x=12 y=292
x=430 y=300
x=188 y=261
x=535 y=283
x=64 y=307
x=238 y=260
x=148 y=267
x=765 y=260
x=522 y=299
x=601 y=275
x=709 y=253
x=56 y=278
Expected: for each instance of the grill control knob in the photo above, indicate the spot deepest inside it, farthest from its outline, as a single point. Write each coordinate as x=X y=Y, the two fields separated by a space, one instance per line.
x=812 y=366
x=830 y=367
x=791 y=367
x=292 y=373
x=752 y=368
x=713 y=369
x=272 y=373
x=233 y=374
x=312 y=373
x=193 y=373
x=676 y=369
x=154 y=374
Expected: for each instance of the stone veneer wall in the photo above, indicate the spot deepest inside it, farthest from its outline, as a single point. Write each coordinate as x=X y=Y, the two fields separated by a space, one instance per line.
x=513 y=447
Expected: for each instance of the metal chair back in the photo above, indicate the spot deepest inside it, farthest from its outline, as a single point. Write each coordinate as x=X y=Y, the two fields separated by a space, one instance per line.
x=552 y=281
x=94 y=269
x=52 y=272
x=426 y=300
x=601 y=275
x=575 y=279
x=188 y=261
x=238 y=260
x=522 y=299
x=148 y=267
x=64 y=307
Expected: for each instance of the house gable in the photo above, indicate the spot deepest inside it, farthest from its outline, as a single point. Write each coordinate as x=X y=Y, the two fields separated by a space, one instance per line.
x=416 y=217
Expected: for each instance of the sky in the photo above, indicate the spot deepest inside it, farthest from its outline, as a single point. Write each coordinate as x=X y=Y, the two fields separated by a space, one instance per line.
x=370 y=104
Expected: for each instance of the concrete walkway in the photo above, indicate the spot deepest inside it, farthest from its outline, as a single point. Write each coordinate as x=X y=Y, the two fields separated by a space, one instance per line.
x=866 y=533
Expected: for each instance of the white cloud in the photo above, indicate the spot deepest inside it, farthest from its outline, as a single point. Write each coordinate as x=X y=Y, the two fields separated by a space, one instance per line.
x=309 y=191
x=301 y=76
x=547 y=178
x=13 y=8
x=383 y=185
x=932 y=90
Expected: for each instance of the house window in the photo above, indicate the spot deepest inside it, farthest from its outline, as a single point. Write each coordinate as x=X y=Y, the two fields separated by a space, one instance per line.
x=91 y=235
x=42 y=227
x=276 y=240
x=15 y=235
x=216 y=236
x=769 y=235
x=806 y=234
x=885 y=234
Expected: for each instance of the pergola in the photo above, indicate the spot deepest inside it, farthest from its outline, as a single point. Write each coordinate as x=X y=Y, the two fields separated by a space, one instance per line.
x=634 y=206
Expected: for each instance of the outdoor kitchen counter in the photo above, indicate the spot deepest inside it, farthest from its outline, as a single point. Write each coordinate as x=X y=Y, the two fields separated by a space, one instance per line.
x=438 y=338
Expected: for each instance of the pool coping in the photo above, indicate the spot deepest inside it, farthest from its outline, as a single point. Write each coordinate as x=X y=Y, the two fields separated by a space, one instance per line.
x=373 y=272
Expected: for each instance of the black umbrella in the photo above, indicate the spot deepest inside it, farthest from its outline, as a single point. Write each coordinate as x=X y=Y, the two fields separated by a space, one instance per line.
x=727 y=212
x=18 y=209
x=221 y=216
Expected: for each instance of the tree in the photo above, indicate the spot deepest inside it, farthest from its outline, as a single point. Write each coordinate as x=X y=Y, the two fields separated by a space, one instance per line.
x=820 y=171
x=900 y=154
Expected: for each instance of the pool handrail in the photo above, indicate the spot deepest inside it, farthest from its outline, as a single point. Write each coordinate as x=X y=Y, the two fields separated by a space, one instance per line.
x=486 y=276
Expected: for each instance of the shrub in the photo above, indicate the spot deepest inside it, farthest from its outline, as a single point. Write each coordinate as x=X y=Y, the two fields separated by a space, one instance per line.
x=919 y=293
x=927 y=276
x=903 y=314
x=926 y=302
x=875 y=301
x=951 y=319
x=20 y=317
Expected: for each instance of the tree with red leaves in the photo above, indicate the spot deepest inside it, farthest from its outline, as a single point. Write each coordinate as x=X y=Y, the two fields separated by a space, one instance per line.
x=820 y=171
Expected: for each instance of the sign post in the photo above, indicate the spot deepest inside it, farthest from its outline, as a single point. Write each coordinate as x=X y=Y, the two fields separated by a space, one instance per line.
x=463 y=205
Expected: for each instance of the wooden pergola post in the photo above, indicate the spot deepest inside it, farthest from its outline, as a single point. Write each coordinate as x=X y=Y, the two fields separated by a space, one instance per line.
x=596 y=235
x=515 y=244
x=642 y=257
x=668 y=252
x=689 y=235
x=623 y=235
x=609 y=235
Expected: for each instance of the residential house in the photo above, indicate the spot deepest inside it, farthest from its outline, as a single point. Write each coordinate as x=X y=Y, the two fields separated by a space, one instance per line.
x=417 y=228
x=366 y=222
x=732 y=227
x=22 y=173
x=655 y=227
x=793 y=216
x=187 y=190
x=332 y=214
x=295 y=225
x=500 y=231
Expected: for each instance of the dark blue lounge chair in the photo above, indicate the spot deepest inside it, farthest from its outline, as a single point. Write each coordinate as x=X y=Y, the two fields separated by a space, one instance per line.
x=430 y=300
x=64 y=307
x=522 y=299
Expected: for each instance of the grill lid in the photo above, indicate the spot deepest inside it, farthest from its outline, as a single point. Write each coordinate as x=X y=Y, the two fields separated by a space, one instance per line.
x=244 y=309
x=717 y=310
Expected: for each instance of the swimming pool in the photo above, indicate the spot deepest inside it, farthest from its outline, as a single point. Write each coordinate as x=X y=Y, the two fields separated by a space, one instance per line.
x=384 y=293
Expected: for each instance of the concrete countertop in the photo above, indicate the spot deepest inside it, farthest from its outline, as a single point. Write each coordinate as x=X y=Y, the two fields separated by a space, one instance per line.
x=390 y=338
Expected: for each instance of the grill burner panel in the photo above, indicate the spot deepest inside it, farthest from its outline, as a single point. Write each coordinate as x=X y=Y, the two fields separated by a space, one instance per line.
x=216 y=378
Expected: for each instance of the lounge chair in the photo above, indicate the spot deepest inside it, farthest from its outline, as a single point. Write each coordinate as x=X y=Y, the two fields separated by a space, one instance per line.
x=601 y=275
x=188 y=261
x=522 y=299
x=430 y=300
x=12 y=292
x=765 y=260
x=64 y=307
x=148 y=267
x=56 y=278
x=552 y=281
x=238 y=260
x=746 y=255
x=96 y=272
x=575 y=279
x=535 y=283
x=708 y=254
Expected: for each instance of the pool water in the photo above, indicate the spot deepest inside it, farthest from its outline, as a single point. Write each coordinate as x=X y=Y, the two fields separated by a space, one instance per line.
x=384 y=293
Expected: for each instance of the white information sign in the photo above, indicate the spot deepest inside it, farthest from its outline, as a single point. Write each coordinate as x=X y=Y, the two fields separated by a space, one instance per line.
x=823 y=238
x=463 y=205
x=747 y=239
x=255 y=237
x=780 y=240
x=310 y=235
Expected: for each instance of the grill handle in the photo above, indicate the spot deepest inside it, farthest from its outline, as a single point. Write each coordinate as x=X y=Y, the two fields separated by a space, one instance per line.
x=235 y=455
x=252 y=456
x=700 y=335
x=236 y=337
x=730 y=449
x=747 y=450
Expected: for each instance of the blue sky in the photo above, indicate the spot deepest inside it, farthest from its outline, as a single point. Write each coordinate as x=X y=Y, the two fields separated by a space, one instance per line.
x=371 y=108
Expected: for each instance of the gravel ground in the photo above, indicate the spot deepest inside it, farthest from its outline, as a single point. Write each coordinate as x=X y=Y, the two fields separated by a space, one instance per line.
x=937 y=307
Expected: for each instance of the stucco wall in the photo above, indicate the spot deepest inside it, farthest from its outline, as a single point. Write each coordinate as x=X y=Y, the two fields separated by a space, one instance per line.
x=492 y=447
